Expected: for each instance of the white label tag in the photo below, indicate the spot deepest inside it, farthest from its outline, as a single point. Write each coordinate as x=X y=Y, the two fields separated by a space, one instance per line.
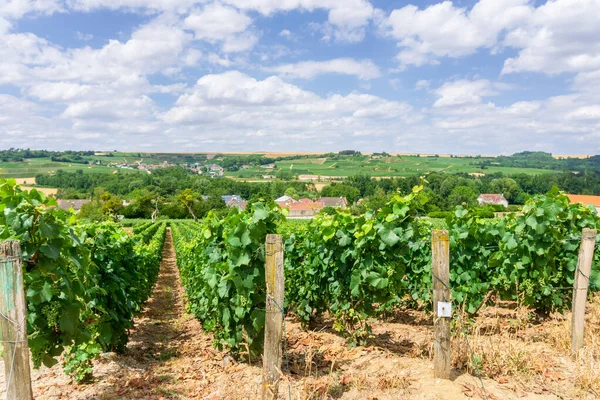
x=444 y=309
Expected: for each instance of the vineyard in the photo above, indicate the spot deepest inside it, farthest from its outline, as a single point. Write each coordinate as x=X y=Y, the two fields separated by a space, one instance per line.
x=357 y=268
x=86 y=282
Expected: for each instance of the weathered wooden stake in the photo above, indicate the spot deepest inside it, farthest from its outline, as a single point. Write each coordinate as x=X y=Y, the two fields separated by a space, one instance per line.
x=440 y=268
x=580 y=288
x=274 y=316
x=14 y=323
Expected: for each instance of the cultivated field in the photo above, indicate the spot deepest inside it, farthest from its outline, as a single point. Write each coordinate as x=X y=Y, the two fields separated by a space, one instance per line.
x=381 y=167
x=313 y=164
x=34 y=166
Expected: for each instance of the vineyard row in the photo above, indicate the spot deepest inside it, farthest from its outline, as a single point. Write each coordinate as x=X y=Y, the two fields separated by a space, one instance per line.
x=357 y=268
x=84 y=282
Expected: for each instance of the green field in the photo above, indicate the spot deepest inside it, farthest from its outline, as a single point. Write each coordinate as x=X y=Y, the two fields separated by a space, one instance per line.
x=381 y=167
x=34 y=166
x=339 y=166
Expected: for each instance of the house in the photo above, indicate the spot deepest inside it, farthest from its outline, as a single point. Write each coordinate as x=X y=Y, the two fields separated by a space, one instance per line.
x=214 y=170
x=239 y=203
x=305 y=201
x=335 y=202
x=585 y=199
x=308 y=178
x=304 y=210
x=268 y=176
x=492 y=199
x=229 y=198
x=268 y=166
x=284 y=200
x=72 y=204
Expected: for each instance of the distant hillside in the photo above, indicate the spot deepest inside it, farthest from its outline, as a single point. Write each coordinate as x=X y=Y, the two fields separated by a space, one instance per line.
x=542 y=160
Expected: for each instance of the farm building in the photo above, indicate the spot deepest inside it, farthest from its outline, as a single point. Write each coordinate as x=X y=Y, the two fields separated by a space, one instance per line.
x=239 y=203
x=268 y=166
x=308 y=178
x=229 y=198
x=215 y=170
x=335 y=202
x=497 y=199
x=304 y=210
x=74 y=204
x=585 y=199
x=284 y=200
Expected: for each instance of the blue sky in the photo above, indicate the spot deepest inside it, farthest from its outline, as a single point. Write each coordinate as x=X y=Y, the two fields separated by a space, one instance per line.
x=462 y=77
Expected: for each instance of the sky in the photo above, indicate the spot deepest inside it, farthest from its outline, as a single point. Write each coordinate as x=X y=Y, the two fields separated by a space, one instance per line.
x=459 y=77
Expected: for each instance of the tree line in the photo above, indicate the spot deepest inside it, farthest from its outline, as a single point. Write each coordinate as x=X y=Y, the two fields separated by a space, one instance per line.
x=165 y=187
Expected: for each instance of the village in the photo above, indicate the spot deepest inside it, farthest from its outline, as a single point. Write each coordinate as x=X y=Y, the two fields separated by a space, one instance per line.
x=212 y=170
x=305 y=208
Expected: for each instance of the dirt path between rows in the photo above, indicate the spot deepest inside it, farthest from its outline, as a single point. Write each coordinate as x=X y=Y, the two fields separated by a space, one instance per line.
x=169 y=356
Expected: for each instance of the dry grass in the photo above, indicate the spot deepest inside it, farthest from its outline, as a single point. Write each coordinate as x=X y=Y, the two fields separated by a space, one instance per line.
x=495 y=356
x=587 y=369
x=515 y=346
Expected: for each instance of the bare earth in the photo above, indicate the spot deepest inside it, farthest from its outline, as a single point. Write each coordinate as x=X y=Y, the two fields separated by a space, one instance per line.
x=25 y=181
x=170 y=357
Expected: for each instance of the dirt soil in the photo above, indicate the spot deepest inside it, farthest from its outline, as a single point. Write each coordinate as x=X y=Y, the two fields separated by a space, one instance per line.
x=170 y=357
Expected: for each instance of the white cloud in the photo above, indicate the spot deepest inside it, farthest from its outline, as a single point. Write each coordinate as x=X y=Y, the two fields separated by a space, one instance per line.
x=173 y=6
x=559 y=124
x=217 y=22
x=237 y=109
x=443 y=30
x=18 y=8
x=363 y=69
x=463 y=93
x=113 y=109
x=214 y=58
x=92 y=97
x=58 y=91
x=560 y=36
x=422 y=84
x=346 y=20
x=585 y=113
x=86 y=37
x=5 y=25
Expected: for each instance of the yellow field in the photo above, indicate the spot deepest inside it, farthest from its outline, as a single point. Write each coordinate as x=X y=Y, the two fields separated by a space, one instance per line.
x=46 y=191
x=25 y=181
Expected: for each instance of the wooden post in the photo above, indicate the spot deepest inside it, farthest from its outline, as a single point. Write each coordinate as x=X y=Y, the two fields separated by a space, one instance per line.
x=274 y=316
x=580 y=288
x=440 y=268
x=14 y=323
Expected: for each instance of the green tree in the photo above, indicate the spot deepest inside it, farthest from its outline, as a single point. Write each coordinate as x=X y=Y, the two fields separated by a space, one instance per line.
x=341 y=190
x=92 y=211
x=292 y=193
x=187 y=199
x=462 y=195
x=111 y=204
x=377 y=201
x=363 y=182
x=506 y=186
